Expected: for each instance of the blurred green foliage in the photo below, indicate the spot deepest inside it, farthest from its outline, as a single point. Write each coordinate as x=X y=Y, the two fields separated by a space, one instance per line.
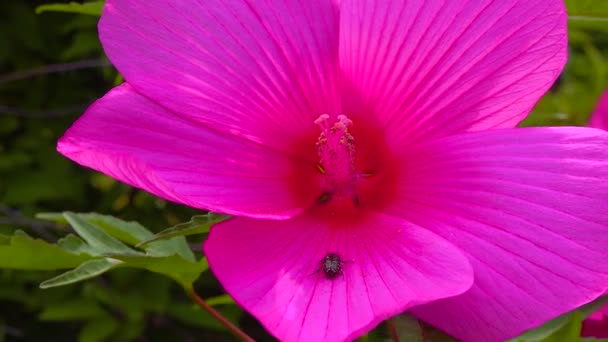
x=51 y=67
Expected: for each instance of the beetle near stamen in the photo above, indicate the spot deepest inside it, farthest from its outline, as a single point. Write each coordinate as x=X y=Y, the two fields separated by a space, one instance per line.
x=331 y=265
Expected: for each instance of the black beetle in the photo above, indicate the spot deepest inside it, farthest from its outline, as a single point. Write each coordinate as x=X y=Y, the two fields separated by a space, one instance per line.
x=331 y=265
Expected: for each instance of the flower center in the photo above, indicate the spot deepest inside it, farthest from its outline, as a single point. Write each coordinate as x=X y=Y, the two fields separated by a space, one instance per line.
x=336 y=150
x=347 y=181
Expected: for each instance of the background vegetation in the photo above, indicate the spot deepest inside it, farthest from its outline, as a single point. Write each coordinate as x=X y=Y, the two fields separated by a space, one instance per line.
x=51 y=67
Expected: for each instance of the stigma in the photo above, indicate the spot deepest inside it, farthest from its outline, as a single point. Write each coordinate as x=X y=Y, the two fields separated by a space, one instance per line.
x=336 y=151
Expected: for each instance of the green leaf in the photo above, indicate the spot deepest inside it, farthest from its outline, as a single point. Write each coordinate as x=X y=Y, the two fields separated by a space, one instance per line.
x=97 y=238
x=177 y=245
x=5 y=239
x=72 y=310
x=220 y=300
x=176 y=267
x=546 y=331
x=592 y=307
x=198 y=224
x=591 y=14
x=128 y=232
x=103 y=235
x=90 y=8
x=408 y=328
x=193 y=315
x=98 y=330
x=86 y=270
x=76 y=245
x=23 y=252
x=54 y=217
x=587 y=8
x=566 y=327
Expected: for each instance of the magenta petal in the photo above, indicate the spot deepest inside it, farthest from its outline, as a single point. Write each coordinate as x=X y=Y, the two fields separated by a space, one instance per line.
x=599 y=118
x=529 y=208
x=269 y=267
x=596 y=325
x=134 y=140
x=430 y=68
x=259 y=69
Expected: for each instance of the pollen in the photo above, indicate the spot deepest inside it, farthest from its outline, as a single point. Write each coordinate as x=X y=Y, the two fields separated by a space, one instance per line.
x=336 y=151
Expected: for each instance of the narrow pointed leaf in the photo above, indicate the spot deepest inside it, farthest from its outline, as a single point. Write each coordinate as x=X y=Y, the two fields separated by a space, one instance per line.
x=132 y=233
x=54 y=217
x=199 y=224
x=96 y=237
x=89 y=8
x=76 y=245
x=86 y=270
x=128 y=232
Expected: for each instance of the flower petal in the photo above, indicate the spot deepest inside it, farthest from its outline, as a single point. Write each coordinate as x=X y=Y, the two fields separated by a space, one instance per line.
x=269 y=269
x=530 y=209
x=596 y=325
x=261 y=70
x=430 y=68
x=599 y=118
x=136 y=141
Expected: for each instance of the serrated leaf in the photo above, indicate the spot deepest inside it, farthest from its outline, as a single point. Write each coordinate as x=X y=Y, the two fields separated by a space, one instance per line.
x=86 y=270
x=176 y=267
x=89 y=8
x=26 y=253
x=198 y=224
x=96 y=237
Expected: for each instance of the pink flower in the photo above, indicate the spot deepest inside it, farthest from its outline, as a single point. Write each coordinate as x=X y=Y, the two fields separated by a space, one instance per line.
x=599 y=118
x=596 y=325
x=378 y=131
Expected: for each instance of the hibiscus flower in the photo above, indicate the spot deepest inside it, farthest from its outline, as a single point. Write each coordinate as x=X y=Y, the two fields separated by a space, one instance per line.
x=367 y=150
x=596 y=325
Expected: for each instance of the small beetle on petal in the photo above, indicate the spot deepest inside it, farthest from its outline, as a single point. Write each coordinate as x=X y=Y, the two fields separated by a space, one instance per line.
x=331 y=265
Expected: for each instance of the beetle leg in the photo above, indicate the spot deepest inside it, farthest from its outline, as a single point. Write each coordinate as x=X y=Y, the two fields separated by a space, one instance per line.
x=315 y=272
